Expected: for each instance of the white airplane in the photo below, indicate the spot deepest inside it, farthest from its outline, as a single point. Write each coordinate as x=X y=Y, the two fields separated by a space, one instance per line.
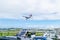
x=27 y=17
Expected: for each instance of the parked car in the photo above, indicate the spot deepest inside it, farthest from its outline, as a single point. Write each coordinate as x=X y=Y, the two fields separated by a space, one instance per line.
x=39 y=38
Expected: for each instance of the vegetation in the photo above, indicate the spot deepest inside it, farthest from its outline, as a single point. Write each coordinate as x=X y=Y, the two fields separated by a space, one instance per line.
x=9 y=32
x=14 y=32
x=39 y=34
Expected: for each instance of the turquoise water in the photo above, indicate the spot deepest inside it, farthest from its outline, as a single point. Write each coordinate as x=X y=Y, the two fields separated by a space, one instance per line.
x=17 y=23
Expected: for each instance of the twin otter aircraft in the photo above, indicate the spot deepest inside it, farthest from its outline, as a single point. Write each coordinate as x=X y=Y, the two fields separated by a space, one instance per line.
x=28 y=17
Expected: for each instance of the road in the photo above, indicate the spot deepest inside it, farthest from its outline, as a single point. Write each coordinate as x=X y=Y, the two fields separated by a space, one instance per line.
x=13 y=38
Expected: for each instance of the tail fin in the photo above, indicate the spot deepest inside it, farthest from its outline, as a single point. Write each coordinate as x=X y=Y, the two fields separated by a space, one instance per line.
x=30 y=15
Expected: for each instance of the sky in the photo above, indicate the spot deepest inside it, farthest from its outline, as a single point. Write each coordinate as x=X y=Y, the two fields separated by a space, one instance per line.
x=11 y=12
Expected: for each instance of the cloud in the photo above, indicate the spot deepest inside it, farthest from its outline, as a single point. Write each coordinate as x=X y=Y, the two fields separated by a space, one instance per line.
x=41 y=9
